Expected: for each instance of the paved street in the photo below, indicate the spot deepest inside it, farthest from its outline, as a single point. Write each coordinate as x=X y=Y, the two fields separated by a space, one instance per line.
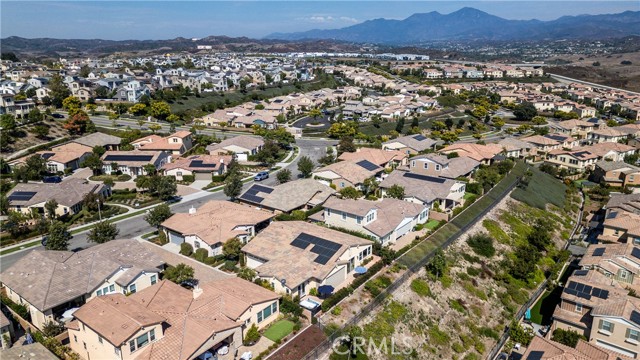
x=135 y=226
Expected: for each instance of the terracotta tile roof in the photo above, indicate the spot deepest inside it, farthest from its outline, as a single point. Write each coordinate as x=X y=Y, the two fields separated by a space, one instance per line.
x=291 y=195
x=424 y=188
x=295 y=265
x=625 y=202
x=350 y=171
x=377 y=156
x=242 y=141
x=69 y=192
x=98 y=139
x=474 y=151
x=133 y=163
x=217 y=221
x=47 y=278
x=202 y=272
x=571 y=124
x=205 y=163
x=602 y=149
x=543 y=349
x=415 y=142
x=541 y=140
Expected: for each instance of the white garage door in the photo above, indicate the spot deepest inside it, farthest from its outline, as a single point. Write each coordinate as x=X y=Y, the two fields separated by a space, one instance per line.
x=203 y=176
x=175 y=238
x=337 y=278
x=404 y=227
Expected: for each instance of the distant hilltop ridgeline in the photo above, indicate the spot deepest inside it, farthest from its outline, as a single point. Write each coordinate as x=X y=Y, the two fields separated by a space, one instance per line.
x=472 y=24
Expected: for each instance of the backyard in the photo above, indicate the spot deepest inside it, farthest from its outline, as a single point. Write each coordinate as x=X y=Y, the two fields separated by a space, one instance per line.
x=279 y=330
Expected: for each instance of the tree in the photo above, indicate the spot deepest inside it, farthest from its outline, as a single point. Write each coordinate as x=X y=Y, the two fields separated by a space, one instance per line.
x=438 y=264
x=93 y=202
x=103 y=232
x=78 y=124
x=449 y=137
x=539 y=120
x=138 y=109
x=165 y=186
x=102 y=92
x=158 y=215
x=370 y=186
x=400 y=125
x=525 y=111
x=329 y=158
x=346 y=145
x=396 y=192
x=482 y=244
x=72 y=104
x=252 y=336
x=232 y=249
x=305 y=166
x=59 y=90
x=160 y=110
x=155 y=127
x=233 y=186
x=524 y=262
x=98 y=150
x=50 y=208
x=350 y=193
x=41 y=131
x=540 y=236
x=269 y=153
x=567 y=337
x=59 y=236
x=8 y=122
x=341 y=129
x=284 y=176
x=4 y=204
x=179 y=273
x=519 y=334
x=35 y=116
x=314 y=113
x=93 y=162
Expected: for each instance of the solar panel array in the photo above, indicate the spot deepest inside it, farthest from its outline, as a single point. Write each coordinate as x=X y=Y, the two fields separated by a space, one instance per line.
x=251 y=195
x=117 y=158
x=420 y=137
x=585 y=291
x=21 y=196
x=424 y=177
x=635 y=253
x=324 y=248
x=200 y=164
x=580 y=272
x=368 y=165
x=47 y=155
x=599 y=251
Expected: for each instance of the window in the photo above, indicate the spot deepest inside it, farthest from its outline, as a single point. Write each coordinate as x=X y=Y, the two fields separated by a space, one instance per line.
x=274 y=308
x=579 y=308
x=617 y=232
x=112 y=288
x=359 y=219
x=84 y=344
x=132 y=346
x=100 y=339
x=344 y=215
x=142 y=340
x=154 y=279
x=132 y=288
x=196 y=244
x=413 y=163
x=623 y=274
x=631 y=178
x=328 y=212
x=152 y=334
x=437 y=167
x=116 y=350
x=179 y=173
x=426 y=165
x=342 y=184
x=260 y=317
x=606 y=326
x=636 y=241
x=99 y=292
x=75 y=338
x=633 y=335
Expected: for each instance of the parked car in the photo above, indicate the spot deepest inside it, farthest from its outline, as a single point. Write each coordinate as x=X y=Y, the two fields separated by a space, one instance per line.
x=57 y=116
x=52 y=179
x=261 y=176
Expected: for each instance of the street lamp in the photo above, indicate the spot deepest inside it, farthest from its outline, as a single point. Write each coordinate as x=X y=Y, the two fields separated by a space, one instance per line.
x=99 y=213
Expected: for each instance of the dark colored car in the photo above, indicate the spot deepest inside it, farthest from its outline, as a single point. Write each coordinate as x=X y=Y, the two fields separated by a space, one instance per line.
x=52 y=179
x=57 y=116
x=261 y=176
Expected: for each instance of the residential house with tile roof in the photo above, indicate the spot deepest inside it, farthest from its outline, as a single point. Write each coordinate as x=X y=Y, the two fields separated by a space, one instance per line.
x=214 y=223
x=177 y=143
x=241 y=146
x=616 y=173
x=51 y=282
x=389 y=159
x=70 y=155
x=410 y=144
x=133 y=162
x=301 y=194
x=484 y=154
x=201 y=167
x=544 y=349
x=295 y=257
x=345 y=174
x=441 y=166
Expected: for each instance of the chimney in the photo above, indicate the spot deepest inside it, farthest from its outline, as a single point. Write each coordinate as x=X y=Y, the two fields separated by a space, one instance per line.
x=192 y=211
x=197 y=291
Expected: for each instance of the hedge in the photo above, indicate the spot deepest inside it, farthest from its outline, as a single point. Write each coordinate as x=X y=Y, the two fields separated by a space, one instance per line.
x=332 y=300
x=19 y=309
x=186 y=249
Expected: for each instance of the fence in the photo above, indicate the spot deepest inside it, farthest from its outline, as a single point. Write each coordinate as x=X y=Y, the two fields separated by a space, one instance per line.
x=466 y=217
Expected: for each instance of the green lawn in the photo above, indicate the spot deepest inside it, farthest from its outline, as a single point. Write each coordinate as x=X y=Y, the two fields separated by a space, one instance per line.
x=431 y=224
x=543 y=189
x=279 y=330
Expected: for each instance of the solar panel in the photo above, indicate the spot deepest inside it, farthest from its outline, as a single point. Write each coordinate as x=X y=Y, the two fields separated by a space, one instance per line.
x=322 y=259
x=324 y=248
x=47 y=155
x=420 y=137
x=571 y=292
x=300 y=244
x=252 y=198
x=200 y=164
x=424 y=177
x=117 y=158
x=580 y=272
x=263 y=189
x=572 y=285
x=21 y=196
x=368 y=165
x=635 y=253
x=604 y=294
x=598 y=252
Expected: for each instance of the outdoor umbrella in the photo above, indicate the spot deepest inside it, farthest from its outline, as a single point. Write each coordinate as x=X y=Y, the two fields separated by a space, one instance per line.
x=360 y=270
x=325 y=290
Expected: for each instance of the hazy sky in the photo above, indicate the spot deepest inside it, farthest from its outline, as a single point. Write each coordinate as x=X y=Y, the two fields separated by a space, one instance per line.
x=120 y=20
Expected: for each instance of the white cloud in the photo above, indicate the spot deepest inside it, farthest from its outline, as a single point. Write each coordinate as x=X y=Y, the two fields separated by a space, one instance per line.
x=349 y=19
x=329 y=19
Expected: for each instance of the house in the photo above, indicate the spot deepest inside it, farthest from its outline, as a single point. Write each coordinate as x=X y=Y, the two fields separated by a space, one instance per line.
x=293 y=195
x=433 y=192
x=215 y=223
x=133 y=162
x=599 y=309
x=167 y=321
x=410 y=144
x=295 y=257
x=577 y=128
x=384 y=221
x=607 y=135
x=67 y=156
x=241 y=146
x=616 y=173
x=6 y=332
x=542 y=144
x=610 y=151
x=51 y=282
x=440 y=166
x=620 y=226
x=34 y=351
x=619 y=262
x=347 y=173
x=389 y=159
x=578 y=160
x=516 y=148
x=177 y=143
x=481 y=153
x=623 y=202
x=544 y=349
x=201 y=167
x=108 y=142
x=30 y=198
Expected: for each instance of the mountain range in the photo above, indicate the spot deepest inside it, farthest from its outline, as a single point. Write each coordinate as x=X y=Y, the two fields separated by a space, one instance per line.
x=472 y=24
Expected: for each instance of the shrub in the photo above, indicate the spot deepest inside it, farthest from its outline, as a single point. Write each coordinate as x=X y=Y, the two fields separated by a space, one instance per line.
x=201 y=254
x=482 y=244
x=186 y=249
x=188 y=178
x=21 y=310
x=252 y=336
x=336 y=310
x=567 y=337
x=421 y=287
x=289 y=305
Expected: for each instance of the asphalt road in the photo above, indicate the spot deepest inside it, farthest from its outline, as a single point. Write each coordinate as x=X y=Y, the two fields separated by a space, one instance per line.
x=136 y=226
